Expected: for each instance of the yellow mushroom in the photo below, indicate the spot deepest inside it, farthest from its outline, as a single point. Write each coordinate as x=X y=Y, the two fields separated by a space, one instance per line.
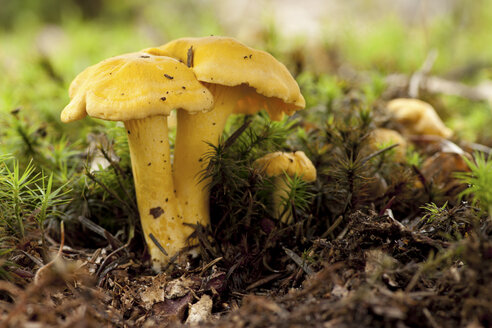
x=382 y=137
x=417 y=117
x=242 y=80
x=278 y=163
x=141 y=90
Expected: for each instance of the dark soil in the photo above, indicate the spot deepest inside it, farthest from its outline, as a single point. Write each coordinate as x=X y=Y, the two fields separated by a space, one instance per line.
x=378 y=273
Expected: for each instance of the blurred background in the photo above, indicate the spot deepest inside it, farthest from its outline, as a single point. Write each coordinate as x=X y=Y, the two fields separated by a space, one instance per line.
x=45 y=44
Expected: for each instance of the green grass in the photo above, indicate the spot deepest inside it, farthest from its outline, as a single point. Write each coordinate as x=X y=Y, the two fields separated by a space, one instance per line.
x=478 y=181
x=17 y=196
x=27 y=199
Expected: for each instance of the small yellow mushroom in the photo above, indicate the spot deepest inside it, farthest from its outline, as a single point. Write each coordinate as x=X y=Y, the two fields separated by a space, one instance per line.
x=278 y=163
x=242 y=80
x=418 y=117
x=382 y=137
x=141 y=90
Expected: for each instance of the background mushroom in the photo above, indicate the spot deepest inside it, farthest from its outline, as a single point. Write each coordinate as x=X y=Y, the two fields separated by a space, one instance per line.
x=417 y=117
x=242 y=80
x=141 y=90
x=381 y=137
x=278 y=163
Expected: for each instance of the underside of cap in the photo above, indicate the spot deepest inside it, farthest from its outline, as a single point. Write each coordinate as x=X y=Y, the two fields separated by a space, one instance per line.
x=135 y=86
x=226 y=61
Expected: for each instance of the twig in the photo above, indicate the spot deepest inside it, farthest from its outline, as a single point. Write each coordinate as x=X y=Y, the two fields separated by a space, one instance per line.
x=22 y=273
x=387 y=206
x=267 y=266
x=200 y=233
x=208 y=265
x=431 y=319
x=108 y=269
x=115 y=243
x=379 y=152
x=480 y=92
x=33 y=258
x=103 y=264
x=189 y=58
x=478 y=147
x=230 y=141
x=156 y=242
x=332 y=227
x=434 y=84
x=114 y=164
x=469 y=70
x=422 y=179
x=263 y=281
x=173 y=258
x=418 y=76
x=299 y=261
x=342 y=233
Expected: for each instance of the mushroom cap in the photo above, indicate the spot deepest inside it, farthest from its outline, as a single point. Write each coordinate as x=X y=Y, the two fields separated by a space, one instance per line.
x=382 y=136
x=418 y=117
x=295 y=163
x=135 y=86
x=226 y=61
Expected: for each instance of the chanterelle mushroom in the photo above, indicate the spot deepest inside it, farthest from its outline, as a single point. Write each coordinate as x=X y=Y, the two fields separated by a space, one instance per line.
x=278 y=163
x=141 y=90
x=382 y=137
x=242 y=80
x=418 y=117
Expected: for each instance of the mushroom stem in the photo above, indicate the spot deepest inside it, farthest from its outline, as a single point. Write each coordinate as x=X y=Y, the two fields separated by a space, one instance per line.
x=152 y=173
x=194 y=135
x=280 y=193
x=280 y=166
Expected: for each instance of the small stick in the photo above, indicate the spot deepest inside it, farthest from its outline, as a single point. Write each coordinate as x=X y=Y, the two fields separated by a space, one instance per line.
x=156 y=242
x=103 y=264
x=299 y=261
x=367 y=158
x=332 y=227
x=263 y=281
x=387 y=206
x=417 y=77
x=189 y=59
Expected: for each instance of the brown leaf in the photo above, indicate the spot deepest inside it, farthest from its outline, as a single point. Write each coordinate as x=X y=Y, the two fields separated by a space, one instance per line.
x=170 y=310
